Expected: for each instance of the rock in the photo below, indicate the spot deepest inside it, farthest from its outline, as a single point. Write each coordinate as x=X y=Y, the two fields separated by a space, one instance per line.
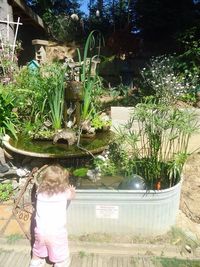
x=57 y=52
x=66 y=134
x=22 y=172
x=2 y=156
x=6 y=181
x=11 y=173
x=3 y=168
x=15 y=185
x=197 y=104
x=188 y=248
x=86 y=127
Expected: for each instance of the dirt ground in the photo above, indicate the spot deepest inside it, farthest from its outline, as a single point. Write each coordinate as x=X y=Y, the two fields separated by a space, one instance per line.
x=190 y=194
x=189 y=216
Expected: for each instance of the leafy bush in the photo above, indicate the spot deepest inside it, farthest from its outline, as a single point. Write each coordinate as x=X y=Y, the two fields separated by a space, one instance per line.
x=6 y=191
x=188 y=60
x=31 y=94
x=160 y=79
x=39 y=96
x=8 y=61
x=8 y=117
x=105 y=165
x=64 y=28
x=80 y=172
x=101 y=121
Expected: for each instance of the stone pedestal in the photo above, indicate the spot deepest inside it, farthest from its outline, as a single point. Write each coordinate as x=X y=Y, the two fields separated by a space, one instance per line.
x=40 y=50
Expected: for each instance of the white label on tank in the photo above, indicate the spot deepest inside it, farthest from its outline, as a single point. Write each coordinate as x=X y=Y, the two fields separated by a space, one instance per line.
x=108 y=212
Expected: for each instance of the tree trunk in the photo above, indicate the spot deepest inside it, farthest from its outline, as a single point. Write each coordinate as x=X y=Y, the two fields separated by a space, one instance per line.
x=6 y=33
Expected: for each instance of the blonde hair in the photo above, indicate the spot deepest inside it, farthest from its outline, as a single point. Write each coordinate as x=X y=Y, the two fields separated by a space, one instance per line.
x=54 y=179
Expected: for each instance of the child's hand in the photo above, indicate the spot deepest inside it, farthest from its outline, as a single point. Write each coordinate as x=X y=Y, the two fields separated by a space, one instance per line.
x=72 y=191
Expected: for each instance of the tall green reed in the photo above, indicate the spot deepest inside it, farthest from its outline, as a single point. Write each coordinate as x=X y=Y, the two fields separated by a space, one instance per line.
x=89 y=81
x=56 y=94
x=8 y=118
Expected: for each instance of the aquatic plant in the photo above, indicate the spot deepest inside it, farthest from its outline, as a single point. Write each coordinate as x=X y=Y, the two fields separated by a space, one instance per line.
x=55 y=95
x=88 y=76
x=157 y=148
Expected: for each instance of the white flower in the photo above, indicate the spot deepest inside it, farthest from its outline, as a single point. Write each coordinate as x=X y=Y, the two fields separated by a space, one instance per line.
x=74 y=17
x=101 y=157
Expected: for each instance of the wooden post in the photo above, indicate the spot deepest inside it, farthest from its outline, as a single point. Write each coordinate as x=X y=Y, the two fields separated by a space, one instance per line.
x=15 y=38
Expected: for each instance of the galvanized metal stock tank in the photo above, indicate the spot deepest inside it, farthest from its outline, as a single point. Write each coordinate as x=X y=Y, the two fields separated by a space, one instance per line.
x=137 y=212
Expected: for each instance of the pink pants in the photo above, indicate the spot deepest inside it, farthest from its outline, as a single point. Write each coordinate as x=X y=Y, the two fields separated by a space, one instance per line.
x=53 y=246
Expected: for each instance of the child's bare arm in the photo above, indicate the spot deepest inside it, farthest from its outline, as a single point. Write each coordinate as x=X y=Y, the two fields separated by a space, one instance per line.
x=72 y=191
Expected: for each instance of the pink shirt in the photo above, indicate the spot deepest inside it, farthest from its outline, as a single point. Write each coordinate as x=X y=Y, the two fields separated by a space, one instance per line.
x=51 y=215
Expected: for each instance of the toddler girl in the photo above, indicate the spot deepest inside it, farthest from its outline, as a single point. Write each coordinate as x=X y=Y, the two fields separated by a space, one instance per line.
x=50 y=232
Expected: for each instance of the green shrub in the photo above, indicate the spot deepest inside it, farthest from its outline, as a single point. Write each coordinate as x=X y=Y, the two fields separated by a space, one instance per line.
x=164 y=80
